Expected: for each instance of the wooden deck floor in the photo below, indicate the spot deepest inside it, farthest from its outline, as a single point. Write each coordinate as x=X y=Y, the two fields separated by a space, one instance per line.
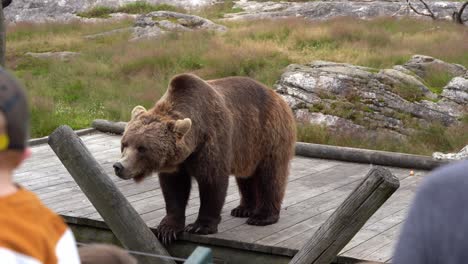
x=316 y=188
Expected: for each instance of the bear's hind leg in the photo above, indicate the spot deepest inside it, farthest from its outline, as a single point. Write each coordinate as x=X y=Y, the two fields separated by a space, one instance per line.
x=248 y=201
x=271 y=179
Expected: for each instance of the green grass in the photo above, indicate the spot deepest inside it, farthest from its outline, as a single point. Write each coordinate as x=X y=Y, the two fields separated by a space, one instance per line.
x=112 y=75
x=97 y=12
x=424 y=142
x=409 y=92
x=138 y=7
x=218 y=10
x=436 y=79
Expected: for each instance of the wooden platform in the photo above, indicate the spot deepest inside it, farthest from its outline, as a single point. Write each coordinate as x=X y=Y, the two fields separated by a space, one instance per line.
x=316 y=187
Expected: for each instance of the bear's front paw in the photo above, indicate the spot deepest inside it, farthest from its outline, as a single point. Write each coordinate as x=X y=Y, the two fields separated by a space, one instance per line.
x=201 y=229
x=241 y=211
x=167 y=233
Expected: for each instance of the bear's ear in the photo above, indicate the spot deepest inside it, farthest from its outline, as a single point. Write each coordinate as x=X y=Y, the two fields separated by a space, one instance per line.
x=182 y=126
x=137 y=110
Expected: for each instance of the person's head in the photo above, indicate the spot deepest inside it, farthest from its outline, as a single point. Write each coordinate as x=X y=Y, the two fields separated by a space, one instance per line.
x=14 y=122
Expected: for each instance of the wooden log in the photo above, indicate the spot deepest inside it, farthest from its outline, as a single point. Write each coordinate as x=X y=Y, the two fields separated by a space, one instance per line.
x=376 y=157
x=348 y=218
x=319 y=151
x=117 y=212
x=109 y=126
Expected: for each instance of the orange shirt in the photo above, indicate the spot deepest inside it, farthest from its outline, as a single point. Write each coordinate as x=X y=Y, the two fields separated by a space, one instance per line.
x=30 y=233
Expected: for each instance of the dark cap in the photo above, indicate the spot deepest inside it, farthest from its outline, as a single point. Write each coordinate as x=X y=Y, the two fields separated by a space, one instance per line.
x=14 y=114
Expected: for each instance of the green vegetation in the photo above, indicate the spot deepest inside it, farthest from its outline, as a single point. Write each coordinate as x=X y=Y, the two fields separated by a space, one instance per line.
x=112 y=74
x=409 y=92
x=434 y=138
x=218 y=10
x=138 y=7
x=436 y=79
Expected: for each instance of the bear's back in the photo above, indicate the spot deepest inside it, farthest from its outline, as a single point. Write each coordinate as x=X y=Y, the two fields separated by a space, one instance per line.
x=262 y=121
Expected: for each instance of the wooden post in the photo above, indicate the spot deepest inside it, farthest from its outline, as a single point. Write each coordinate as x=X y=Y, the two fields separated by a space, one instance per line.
x=201 y=255
x=117 y=212
x=348 y=218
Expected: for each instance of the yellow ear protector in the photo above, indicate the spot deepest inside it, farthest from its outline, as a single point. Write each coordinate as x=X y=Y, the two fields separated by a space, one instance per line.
x=4 y=139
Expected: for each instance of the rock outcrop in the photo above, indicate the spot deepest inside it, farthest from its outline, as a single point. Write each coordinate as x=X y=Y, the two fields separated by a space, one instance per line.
x=65 y=10
x=366 y=100
x=462 y=154
x=157 y=23
x=60 y=55
x=320 y=10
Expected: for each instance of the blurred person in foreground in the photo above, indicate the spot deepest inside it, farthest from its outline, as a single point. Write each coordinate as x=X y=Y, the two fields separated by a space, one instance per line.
x=30 y=233
x=436 y=229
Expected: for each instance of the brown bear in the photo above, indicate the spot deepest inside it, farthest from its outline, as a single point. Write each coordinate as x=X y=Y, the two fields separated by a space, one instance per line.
x=209 y=130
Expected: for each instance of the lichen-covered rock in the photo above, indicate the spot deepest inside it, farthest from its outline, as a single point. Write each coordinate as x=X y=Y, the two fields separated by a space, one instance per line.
x=61 y=55
x=320 y=10
x=65 y=10
x=462 y=154
x=457 y=90
x=157 y=23
x=424 y=65
x=365 y=99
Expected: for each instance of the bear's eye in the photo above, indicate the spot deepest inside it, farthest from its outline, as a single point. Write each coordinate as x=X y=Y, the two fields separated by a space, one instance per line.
x=141 y=149
x=124 y=145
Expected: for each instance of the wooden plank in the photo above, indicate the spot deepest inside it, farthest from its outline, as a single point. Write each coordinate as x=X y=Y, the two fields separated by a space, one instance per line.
x=301 y=193
x=124 y=221
x=376 y=244
x=348 y=218
x=393 y=205
x=394 y=211
x=314 y=186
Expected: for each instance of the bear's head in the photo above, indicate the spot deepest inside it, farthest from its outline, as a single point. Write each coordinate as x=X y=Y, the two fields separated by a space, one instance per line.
x=152 y=143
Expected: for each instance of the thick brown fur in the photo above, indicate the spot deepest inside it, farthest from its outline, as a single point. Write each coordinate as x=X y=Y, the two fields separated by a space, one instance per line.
x=238 y=127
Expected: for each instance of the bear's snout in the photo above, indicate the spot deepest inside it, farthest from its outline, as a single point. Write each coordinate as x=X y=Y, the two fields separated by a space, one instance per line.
x=118 y=168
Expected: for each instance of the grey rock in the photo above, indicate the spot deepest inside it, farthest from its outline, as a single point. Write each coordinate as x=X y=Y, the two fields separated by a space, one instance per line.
x=140 y=33
x=168 y=25
x=62 y=55
x=365 y=99
x=462 y=154
x=65 y=10
x=155 y=24
x=400 y=78
x=423 y=65
x=320 y=10
x=188 y=21
x=334 y=122
x=457 y=91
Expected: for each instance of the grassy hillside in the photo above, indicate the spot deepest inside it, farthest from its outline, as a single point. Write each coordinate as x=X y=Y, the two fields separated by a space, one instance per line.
x=112 y=75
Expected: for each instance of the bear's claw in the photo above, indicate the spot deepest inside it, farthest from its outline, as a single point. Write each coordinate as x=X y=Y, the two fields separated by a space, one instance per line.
x=201 y=229
x=166 y=234
x=241 y=211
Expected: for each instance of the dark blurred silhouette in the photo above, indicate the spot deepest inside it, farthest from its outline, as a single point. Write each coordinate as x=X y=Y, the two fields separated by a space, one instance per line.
x=436 y=230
